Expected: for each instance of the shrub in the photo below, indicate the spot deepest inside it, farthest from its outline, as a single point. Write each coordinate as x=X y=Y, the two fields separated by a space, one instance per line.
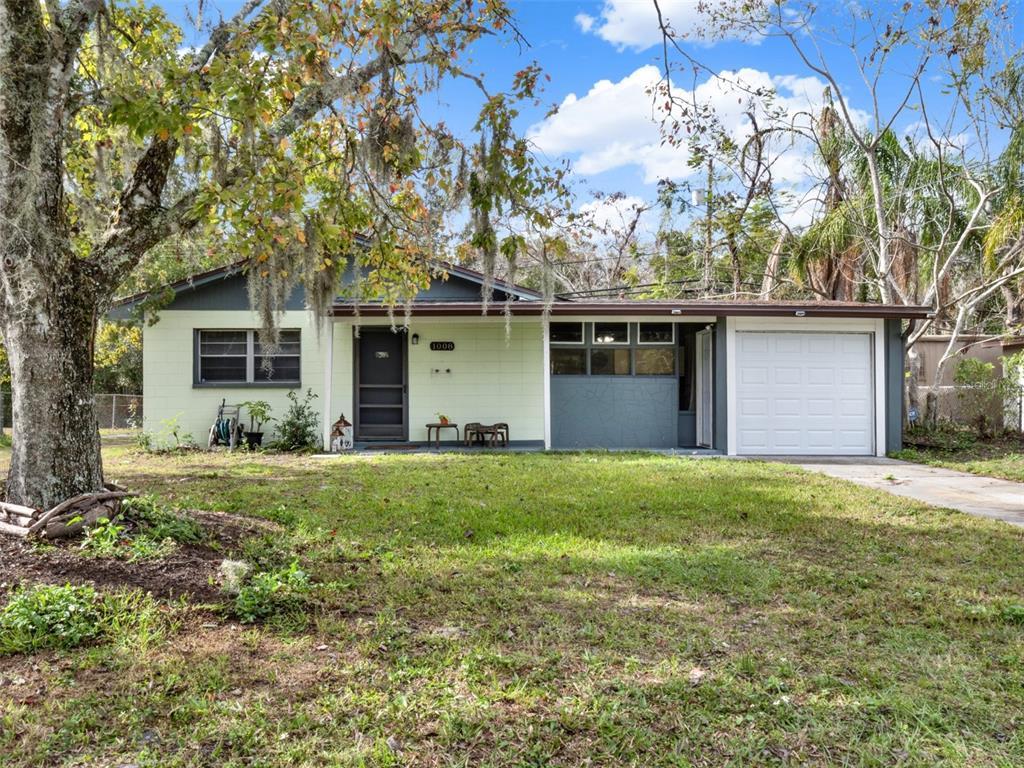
x=153 y=521
x=299 y=428
x=271 y=592
x=980 y=393
x=50 y=617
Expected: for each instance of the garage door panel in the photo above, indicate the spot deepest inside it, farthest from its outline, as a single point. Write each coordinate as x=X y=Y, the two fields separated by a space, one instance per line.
x=755 y=438
x=750 y=344
x=821 y=345
x=754 y=406
x=790 y=344
x=786 y=406
x=804 y=393
x=787 y=375
x=820 y=438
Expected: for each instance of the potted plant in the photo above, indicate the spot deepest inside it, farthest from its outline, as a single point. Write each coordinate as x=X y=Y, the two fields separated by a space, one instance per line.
x=441 y=418
x=259 y=414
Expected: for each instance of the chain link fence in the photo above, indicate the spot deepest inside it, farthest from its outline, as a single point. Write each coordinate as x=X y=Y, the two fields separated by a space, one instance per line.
x=113 y=411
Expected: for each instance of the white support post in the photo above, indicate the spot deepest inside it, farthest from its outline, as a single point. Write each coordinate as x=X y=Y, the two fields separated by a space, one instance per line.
x=328 y=382
x=547 y=384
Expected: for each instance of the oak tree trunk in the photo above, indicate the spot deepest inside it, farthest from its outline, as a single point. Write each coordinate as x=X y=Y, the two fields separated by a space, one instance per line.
x=56 y=445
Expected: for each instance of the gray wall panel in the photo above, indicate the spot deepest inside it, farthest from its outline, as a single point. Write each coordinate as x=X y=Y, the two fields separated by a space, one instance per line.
x=614 y=412
x=721 y=407
x=687 y=429
x=893 y=385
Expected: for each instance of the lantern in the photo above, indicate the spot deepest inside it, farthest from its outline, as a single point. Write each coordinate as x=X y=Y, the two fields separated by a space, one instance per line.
x=341 y=435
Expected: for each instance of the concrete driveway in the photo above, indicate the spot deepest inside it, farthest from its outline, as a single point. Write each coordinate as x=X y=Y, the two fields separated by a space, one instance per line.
x=973 y=494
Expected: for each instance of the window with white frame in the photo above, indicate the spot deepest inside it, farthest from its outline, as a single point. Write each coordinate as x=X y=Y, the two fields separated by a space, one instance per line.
x=657 y=333
x=566 y=333
x=238 y=357
x=611 y=333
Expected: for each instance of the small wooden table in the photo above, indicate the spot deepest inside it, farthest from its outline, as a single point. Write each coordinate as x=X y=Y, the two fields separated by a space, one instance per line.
x=436 y=428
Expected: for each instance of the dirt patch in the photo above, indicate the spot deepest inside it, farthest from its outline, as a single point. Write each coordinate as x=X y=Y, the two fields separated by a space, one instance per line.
x=190 y=570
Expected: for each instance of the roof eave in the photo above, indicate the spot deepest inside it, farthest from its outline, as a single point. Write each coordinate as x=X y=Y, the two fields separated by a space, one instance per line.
x=529 y=308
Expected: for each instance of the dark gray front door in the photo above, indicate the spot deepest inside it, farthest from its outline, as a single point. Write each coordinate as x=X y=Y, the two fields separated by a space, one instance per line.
x=380 y=385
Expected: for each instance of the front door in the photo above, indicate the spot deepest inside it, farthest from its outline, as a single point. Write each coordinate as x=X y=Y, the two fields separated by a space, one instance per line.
x=381 y=400
x=705 y=389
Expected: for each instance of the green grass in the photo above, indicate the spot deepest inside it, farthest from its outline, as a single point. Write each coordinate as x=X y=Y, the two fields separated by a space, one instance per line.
x=999 y=457
x=548 y=610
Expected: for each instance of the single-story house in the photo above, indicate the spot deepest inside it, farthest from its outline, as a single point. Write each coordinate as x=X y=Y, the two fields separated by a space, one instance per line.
x=735 y=377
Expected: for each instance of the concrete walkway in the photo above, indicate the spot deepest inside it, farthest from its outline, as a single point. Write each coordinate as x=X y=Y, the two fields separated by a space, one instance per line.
x=973 y=494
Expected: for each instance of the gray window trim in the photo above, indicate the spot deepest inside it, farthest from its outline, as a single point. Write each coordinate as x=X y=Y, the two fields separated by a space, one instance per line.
x=250 y=364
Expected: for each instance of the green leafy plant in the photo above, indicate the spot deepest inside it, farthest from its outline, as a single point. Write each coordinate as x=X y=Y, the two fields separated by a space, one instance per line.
x=299 y=428
x=259 y=414
x=157 y=523
x=144 y=547
x=144 y=441
x=268 y=593
x=441 y=417
x=980 y=393
x=50 y=617
x=170 y=437
x=104 y=538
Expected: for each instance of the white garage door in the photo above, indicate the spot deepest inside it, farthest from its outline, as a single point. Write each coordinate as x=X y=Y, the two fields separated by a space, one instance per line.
x=804 y=393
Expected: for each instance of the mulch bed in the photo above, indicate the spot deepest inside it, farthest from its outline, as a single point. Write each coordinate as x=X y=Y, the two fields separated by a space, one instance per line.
x=190 y=570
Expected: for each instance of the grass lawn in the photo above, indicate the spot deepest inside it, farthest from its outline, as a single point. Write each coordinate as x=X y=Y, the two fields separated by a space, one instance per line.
x=998 y=457
x=555 y=610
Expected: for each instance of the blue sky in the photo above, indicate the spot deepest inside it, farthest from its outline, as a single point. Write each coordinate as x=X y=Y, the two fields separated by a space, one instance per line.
x=602 y=55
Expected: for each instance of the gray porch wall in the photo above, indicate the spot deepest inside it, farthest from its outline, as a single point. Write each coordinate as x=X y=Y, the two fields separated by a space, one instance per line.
x=614 y=411
x=720 y=427
x=893 y=385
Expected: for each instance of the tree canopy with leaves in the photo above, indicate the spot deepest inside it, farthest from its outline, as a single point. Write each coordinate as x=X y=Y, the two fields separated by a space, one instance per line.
x=293 y=129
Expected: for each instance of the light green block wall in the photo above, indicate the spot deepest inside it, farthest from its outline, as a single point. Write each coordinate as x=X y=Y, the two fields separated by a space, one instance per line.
x=167 y=365
x=494 y=376
x=344 y=370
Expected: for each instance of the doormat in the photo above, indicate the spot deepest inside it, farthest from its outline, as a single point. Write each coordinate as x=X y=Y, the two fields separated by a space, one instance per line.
x=395 y=447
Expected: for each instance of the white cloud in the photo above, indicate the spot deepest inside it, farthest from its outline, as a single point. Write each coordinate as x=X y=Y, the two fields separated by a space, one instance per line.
x=633 y=24
x=585 y=22
x=614 y=212
x=617 y=124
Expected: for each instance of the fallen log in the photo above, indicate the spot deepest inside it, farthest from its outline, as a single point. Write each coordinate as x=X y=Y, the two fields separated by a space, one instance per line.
x=17 y=509
x=65 y=519
x=77 y=501
x=14 y=530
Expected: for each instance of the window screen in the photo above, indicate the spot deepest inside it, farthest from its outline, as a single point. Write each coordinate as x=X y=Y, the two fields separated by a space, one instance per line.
x=238 y=357
x=568 y=362
x=659 y=361
x=609 y=362
x=223 y=356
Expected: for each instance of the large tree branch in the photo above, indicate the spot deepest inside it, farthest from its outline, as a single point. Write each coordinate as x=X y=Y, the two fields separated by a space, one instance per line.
x=66 y=33
x=140 y=222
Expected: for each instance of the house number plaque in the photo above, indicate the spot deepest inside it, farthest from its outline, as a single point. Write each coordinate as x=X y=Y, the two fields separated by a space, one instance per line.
x=442 y=346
